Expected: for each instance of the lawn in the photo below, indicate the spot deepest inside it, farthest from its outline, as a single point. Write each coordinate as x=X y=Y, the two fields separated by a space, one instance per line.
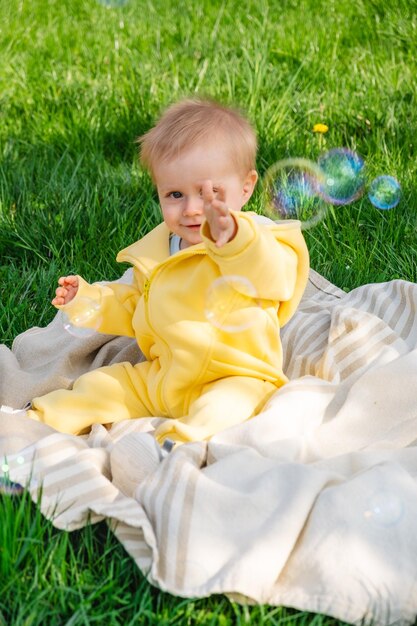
x=79 y=82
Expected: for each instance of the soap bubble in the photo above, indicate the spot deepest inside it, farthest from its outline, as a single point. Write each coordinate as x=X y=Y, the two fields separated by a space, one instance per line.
x=81 y=317
x=113 y=4
x=230 y=301
x=384 y=192
x=291 y=192
x=344 y=176
x=385 y=508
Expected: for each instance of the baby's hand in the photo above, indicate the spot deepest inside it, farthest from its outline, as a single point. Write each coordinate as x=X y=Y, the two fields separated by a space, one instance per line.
x=222 y=224
x=67 y=290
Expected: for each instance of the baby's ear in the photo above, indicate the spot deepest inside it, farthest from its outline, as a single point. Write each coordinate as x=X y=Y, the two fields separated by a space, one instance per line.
x=249 y=183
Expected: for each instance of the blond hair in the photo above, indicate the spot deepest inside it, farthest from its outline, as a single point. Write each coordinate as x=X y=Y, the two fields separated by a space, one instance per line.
x=192 y=121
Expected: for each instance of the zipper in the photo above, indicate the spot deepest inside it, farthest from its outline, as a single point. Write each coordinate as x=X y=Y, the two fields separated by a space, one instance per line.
x=146 y=289
x=146 y=286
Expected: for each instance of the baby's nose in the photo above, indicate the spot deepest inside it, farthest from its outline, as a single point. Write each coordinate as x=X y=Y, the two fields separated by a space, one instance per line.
x=193 y=206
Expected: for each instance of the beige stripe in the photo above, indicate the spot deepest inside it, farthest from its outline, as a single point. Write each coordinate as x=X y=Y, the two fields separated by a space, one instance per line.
x=154 y=489
x=127 y=531
x=311 y=307
x=94 y=461
x=373 y=298
x=346 y=339
x=66 y=442
x=302 y=363
x=354 y=366
x=404 y=305
x=118 y=507
x=410 y=326
x=388 y=296
x=167 y=528
x=358 y=338
x=363 y=348
x=174 y=507
x=55 y=475
x=389 y=307
x=326 y=367
x=315 y=333
x=85 y=499
x=133 y=539
x=320 y=364
x=153 y=499
x=366 y=299
x=185 y=526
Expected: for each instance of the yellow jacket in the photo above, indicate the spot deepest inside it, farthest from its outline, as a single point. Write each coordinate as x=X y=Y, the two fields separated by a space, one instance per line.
x=164 y=307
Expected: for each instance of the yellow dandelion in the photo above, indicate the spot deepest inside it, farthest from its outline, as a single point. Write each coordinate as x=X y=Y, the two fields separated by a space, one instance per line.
x=320 y=128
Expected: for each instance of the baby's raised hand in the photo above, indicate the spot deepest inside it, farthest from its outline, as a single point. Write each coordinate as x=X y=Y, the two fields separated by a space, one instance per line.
x=66 y=291
x=222 y=224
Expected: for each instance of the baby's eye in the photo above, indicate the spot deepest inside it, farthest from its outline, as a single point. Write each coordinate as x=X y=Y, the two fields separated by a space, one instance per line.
x=176 y=194
x=214 y=191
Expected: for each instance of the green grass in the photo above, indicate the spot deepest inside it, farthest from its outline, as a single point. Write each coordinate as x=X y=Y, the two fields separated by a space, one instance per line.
x=78 y=83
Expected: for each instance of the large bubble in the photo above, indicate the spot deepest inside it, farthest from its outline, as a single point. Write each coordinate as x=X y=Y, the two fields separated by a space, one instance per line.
x=384 y=192
x=344 y=176
x=230 y=303
x=82 y=317
x=291 y=190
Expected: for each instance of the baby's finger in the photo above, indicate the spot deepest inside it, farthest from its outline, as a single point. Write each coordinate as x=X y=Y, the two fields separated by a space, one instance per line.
x=207 y=192
x=61 y=292
x=221 y=193
x=221 y=208
x=222 y=238
x=71 y=280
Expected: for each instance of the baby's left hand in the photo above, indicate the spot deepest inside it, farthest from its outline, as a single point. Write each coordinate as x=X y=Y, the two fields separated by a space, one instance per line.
x=222 y=224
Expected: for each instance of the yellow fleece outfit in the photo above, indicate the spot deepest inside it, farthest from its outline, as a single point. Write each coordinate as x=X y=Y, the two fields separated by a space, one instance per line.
x=204 y=378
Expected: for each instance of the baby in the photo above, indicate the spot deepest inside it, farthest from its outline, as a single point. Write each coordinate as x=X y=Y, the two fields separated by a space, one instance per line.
x=201 y=156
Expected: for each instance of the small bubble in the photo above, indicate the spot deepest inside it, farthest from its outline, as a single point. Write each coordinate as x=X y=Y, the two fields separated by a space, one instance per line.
x=230 y=303
x=384 y=192
x=81 y=317
x=5 y=467
x=344 y=176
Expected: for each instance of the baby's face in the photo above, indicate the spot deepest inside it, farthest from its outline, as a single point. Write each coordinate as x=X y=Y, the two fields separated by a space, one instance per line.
x=179 y=185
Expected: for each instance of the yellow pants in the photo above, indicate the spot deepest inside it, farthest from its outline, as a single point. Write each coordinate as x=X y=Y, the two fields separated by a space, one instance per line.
x=119 y=392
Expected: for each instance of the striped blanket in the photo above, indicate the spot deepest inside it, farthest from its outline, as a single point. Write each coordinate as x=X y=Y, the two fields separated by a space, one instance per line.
x=312 y=504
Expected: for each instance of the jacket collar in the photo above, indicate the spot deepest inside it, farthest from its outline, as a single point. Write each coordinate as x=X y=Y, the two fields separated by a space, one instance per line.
x=149 y=251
